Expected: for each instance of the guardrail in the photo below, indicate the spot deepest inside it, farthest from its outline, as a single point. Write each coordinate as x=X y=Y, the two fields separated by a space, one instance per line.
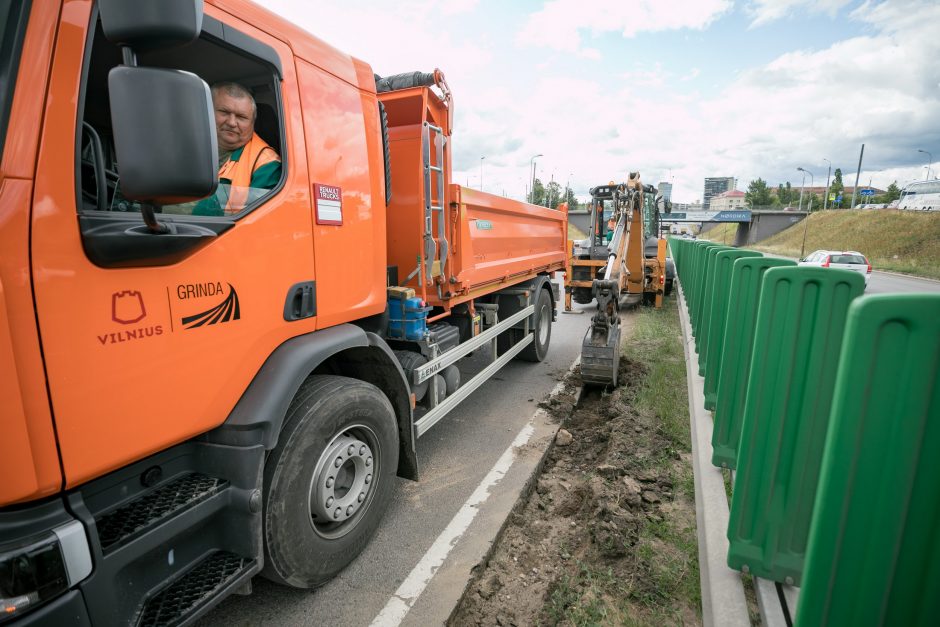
x=827 y=404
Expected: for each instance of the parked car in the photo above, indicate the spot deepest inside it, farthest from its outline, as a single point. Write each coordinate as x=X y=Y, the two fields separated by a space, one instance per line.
x=845 y=259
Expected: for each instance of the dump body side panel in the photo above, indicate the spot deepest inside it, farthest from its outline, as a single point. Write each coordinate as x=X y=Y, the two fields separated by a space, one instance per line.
x=500 y=241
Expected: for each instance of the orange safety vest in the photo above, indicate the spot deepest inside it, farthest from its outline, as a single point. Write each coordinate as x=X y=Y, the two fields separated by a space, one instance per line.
x=255 y=154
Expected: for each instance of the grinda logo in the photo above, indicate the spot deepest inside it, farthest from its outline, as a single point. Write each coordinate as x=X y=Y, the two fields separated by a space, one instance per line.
x=225 y=311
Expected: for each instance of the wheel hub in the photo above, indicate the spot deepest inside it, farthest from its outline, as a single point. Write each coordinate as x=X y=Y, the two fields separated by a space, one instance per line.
x=342 y=480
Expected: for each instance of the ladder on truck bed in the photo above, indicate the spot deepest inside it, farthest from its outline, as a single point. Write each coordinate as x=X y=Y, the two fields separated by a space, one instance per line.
x=435 y=257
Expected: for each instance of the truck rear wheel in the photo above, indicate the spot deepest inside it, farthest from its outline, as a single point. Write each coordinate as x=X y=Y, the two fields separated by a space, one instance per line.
x=538 y=348
x=328 y=481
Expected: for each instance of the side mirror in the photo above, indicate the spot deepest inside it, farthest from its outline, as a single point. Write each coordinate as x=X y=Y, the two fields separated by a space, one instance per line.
x=151 y=24
x=164 y=134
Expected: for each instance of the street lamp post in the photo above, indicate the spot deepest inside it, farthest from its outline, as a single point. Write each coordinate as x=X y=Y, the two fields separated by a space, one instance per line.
x=532 y=176
x=930 y=160
x=812 y=183
x=802 y=185
x=481 y=173
x=826 y=197
x=806 y=219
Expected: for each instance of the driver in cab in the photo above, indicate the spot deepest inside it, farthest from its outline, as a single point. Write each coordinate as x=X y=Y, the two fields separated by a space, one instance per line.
x=248 y=166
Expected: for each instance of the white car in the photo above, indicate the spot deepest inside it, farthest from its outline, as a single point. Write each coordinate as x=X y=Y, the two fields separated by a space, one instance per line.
x=844 y=259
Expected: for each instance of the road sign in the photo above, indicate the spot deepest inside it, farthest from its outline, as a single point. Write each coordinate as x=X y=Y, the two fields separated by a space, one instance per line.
x=867 y=192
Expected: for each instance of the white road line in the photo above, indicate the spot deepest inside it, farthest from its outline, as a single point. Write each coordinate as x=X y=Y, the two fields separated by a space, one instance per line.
x=419 y=577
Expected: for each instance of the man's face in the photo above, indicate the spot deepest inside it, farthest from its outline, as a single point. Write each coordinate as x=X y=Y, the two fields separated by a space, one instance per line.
x=234 y=120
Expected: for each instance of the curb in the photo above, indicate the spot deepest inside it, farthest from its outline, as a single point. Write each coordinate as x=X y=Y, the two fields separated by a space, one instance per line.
x=723 y=600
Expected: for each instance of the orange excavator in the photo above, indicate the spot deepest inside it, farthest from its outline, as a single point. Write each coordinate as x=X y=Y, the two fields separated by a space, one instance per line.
x=629 y=212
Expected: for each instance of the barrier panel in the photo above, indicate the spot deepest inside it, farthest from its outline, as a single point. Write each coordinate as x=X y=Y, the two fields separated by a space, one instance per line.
x=717 y=315
x=701 y=287
x=800 y=324
x=874 y=543
x=698 y=265
x=695 y=250
x=736 y=348
x=708 y=297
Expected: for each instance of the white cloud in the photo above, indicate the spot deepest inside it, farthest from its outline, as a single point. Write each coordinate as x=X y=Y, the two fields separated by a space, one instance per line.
x=766 y=11
x=560 y=23
x=880 y=89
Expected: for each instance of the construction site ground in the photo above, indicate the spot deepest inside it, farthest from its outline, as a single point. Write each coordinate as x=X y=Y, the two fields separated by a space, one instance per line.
x=606 y=533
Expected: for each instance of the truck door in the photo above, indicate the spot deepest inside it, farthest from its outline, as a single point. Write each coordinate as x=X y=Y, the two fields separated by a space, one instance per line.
x=150 y=339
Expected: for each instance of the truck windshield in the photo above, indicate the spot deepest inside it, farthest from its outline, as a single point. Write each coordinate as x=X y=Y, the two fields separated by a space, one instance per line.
x=13 y=17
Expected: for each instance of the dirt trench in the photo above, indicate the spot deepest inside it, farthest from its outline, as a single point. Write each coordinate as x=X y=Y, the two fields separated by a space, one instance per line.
x=599 y=539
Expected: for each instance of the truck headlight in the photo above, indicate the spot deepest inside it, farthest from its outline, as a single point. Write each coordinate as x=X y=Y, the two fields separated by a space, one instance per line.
x=41 y=568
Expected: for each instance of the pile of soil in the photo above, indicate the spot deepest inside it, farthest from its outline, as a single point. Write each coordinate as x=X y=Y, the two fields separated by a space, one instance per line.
x=579 y=549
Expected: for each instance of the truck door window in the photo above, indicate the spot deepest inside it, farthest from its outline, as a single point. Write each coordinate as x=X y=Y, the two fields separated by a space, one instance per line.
x=13 y=16
x=252 y=166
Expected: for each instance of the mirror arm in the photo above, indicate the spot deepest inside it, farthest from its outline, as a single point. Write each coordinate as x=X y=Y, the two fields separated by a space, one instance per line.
x=129 y=57
x=150 y=219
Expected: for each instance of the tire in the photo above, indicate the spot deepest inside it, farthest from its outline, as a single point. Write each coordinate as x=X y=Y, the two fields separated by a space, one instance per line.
x=582 y=295
x=538 y=348
x=331 y=420
x=667 y=289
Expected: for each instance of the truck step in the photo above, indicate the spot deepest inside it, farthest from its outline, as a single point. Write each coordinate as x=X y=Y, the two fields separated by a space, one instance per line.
x=184 y=597
x=128 y=521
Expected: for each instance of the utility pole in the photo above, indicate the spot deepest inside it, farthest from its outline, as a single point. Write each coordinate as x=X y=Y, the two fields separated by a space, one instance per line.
x=481 y=173
x=826 y=198
x=855 y=189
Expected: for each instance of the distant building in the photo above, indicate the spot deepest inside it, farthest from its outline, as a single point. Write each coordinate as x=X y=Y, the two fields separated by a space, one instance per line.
x=728 y=201
x=665 y=189
x=716 y=185
x=686 y=206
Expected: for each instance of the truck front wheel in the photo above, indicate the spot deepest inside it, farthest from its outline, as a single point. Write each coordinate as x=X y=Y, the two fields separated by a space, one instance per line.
x=328 y=481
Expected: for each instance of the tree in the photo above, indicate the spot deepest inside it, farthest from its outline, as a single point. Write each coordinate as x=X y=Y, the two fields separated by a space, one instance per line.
x=552 y=195
x=785 y=194
x=837 y=187
x=571 y=199
x=537 y=196
x=893 y=192
x=758 y=194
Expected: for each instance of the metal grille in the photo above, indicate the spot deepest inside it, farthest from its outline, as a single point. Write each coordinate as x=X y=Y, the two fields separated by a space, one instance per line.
x=163 y=502
x=183 y=597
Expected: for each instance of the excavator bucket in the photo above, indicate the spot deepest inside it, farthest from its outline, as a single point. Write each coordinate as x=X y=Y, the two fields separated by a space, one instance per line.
x=600 y=350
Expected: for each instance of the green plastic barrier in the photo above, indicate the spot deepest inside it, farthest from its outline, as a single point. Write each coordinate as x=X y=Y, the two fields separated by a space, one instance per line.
x=800 y=323
x=874 y=543
x=736 y=347
x=701 y=280
x=701 y=248
x=694 y=274
x=721 y=298
x=708 y=296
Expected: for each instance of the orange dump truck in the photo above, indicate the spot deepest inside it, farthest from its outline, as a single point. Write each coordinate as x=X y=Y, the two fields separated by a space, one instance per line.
x=196 y=390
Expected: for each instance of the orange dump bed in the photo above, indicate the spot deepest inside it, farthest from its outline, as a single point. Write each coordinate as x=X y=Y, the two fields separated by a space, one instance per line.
x=451 y=243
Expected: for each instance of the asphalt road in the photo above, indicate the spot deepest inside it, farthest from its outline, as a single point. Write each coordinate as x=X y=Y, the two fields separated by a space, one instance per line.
x=454 y=457
x=888 y=283
x=891 y=282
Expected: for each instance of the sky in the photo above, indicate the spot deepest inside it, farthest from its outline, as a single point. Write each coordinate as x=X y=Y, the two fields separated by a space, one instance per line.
x=675 y=89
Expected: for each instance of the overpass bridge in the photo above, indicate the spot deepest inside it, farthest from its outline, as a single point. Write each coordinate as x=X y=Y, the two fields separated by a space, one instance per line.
x=753 y=226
